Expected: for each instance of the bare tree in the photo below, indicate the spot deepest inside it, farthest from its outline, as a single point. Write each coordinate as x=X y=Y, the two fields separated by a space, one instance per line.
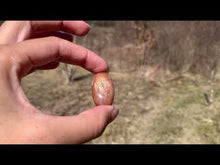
x=145 y=40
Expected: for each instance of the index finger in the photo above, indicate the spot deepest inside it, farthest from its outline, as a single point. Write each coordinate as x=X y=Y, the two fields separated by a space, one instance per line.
x=38 y=52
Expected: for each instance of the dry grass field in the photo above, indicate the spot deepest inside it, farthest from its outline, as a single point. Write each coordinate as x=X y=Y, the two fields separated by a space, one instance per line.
x=167 y=86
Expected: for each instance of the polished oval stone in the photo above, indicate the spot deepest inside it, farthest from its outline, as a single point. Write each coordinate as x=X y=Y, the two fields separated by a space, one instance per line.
x=102 y=89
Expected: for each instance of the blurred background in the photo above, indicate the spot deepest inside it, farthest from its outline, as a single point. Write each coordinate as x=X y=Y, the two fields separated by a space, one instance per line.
x=165 y=75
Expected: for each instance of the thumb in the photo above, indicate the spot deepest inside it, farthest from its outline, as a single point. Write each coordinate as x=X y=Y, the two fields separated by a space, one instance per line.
x=81 y=128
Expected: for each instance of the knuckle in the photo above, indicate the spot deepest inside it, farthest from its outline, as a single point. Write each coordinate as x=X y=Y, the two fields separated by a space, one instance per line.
x=58 y=45
x=34 y=25
x=55 y=39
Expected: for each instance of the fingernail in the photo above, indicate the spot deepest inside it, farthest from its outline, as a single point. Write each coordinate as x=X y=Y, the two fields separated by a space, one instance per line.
x=114 y=114
x=108 y=70
x=89 y=26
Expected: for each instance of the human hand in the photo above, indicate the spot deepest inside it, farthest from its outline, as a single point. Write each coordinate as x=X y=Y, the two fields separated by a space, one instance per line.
x=29 y=45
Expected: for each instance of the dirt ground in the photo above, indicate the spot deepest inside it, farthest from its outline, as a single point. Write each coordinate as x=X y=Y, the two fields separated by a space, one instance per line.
x=156 y=106
x=168 y=112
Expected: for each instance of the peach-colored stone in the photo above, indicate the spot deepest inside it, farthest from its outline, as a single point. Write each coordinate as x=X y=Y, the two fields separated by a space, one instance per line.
x=102 y=89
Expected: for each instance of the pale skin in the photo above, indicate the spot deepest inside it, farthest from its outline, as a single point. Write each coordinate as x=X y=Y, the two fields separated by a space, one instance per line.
x=26 y=46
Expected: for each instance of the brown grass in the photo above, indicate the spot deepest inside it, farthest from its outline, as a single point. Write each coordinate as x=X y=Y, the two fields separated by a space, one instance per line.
x=161 y=101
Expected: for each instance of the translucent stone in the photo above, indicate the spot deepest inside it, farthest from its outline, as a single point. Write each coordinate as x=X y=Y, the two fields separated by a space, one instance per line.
x=102 y=89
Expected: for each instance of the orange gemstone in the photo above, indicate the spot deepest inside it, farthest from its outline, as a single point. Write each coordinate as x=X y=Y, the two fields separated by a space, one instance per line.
x=102 y=89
